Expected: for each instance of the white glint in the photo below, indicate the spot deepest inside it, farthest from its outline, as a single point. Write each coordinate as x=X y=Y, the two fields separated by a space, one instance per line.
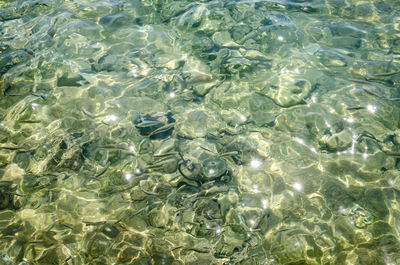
x=252 y=222
x=365 y=155
x=299 y=140
x=218 y=231
x=331 y=110
x=132 y=149
x=371 y=108
x=255 y=163
x=134 y=72
x=297 y=186
x=313 y=150
x=242 y=118
x=391 y=182
x=111 y=118
x=264 y=204
x=297 y=71
x=349 y=120
x=297 y=243
x=211 y=171
x=172 y=95
x=327 y=124
x=128 y=177
x=352 y=150
x=138 y=171
x=255 y=189
x=314 y=99
x=34 y=105
x=280 y=38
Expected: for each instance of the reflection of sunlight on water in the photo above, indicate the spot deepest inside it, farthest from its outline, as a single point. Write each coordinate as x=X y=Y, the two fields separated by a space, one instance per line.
x=128 y=177
x=297 y=186
x=109 y=118
x=365 y=154
x=255 y=189
x=314 y=99
x=371 y=108
x=299 y=140
x=134 y=71
x=264 y=204
x=252 y=222
x=313 y=150
x=255 y=163
x=132 y=149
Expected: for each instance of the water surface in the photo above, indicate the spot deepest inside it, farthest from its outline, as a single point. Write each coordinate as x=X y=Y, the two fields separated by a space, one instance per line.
x=199 y=132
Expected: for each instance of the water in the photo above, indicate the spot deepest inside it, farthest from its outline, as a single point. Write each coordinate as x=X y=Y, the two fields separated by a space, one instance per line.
x=207 y=132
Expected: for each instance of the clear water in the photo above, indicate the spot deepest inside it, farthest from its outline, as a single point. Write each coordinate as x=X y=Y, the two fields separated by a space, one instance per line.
x=199 y=132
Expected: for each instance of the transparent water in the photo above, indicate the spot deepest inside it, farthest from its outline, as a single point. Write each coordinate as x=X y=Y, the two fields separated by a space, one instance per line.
x=199 y=132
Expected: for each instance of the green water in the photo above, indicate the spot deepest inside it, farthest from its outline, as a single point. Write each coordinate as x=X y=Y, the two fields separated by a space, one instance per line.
x=199 y=132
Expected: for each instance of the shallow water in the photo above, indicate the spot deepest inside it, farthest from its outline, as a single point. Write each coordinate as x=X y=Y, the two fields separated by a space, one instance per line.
x=199 y=132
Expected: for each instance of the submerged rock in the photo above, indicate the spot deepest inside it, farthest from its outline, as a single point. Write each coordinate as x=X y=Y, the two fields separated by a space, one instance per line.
x=196 y=124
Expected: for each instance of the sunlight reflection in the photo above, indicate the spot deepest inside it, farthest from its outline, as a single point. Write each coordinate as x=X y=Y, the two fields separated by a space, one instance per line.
x=132 y=149
x=255 y=189
x=299 y=140
x=128 y=177
x=371 y=108
x=313 y=150
x=365 y=154
x=111 y=118
x=264 y=204
x=134 y=71
x=255 y=163
x=314 y=99
x=297 y=186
